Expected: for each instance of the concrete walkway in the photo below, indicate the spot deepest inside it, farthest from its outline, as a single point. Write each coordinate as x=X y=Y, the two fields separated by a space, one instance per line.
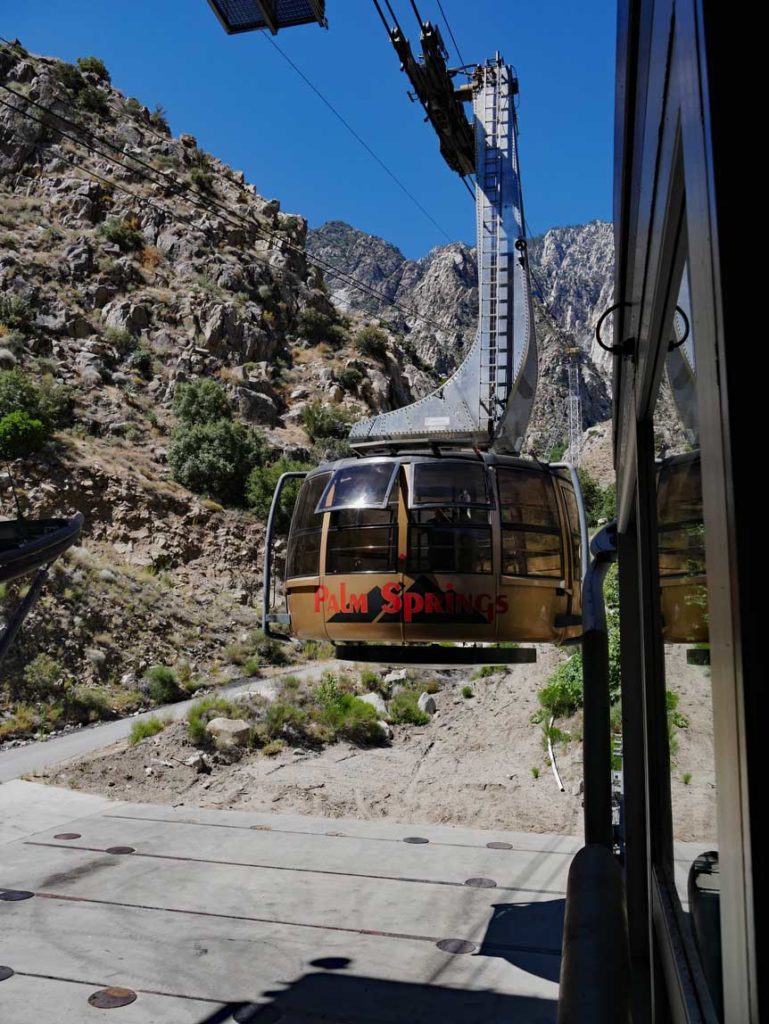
x=213 y=916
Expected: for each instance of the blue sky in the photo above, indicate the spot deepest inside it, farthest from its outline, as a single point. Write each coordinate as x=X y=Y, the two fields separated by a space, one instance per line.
x=246 y=105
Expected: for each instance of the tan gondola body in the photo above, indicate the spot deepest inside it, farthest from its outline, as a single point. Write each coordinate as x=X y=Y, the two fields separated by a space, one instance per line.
x=466 y=547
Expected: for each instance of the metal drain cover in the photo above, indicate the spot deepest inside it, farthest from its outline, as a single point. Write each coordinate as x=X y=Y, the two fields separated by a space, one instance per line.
x=67 y=835
x=415 y=839
x=120 y=849
x=481 y=883
x=456 y=946
x=5 y=972
x=111 y=998
x=14 y=895
x=499 y=846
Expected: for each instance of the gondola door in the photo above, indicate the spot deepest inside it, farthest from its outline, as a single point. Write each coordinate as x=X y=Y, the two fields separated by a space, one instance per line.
x=362 y=580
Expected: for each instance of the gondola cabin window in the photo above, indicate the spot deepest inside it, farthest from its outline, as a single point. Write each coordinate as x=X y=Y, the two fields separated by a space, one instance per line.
x=574 y=528
x=306 y=529
x=449 y=529
x=531 y=534
x=363 y=505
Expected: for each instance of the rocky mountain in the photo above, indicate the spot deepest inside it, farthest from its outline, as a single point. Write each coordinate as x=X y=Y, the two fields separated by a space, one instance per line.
x=133 y=264
x=572 y=270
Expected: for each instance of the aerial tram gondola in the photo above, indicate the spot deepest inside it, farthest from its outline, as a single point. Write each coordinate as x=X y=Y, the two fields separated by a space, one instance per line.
x=437 y=532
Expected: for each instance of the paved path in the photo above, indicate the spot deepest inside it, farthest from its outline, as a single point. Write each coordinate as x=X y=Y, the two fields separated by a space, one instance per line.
x=212 y=916
x=19 y=761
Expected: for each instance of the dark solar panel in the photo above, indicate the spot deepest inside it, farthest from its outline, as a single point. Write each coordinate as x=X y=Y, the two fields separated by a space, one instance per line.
x=247 y=15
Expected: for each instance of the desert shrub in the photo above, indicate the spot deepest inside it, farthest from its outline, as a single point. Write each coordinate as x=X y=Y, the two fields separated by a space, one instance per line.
x=202 y=179
x=371 y=341
x=159 y=120
x=92 y=99
x=122 y=234
x=48 y=402
x=373 y=682
x=20 y=435
x=467 y=692
x=273 y=747
x=69 y=76
x=145 y=727
x=162 y=684
x=562 y=695
x=251 y=666
x=14 y=312
x=350 y=378
x=95 y=66
x=284 y=719
x=42 y=676
x=141 y=361
x=325 y=421
x=404 y=709
x=317 y=327
x=261 y=485
x=317 y=650
x=487 y=670
x=201 y=401
x=201 y=713
x=215 y=459
x=432 y=686
x=676 y=720
x=556 y=452
x=345 y=716
x=269 y=651
x=119 y=338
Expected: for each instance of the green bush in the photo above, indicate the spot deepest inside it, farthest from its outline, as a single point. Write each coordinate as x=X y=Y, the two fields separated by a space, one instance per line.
x=142 y=362
x=371 y=341
x=215 y=459
x=20 y=435
x=261 y=485
x=600 y=502
x=202 y=179
x=318 y=327
x=344 y=716
x=69 y=76
x=404 y=709
x=269 y=651
x=92 y=99
x=201 y=401
x=42 y=676
x=145 y=727
x=14 y=312
x=95 y=66
x=162 y=684
x=201 y=713
x=126 y=237
x=350 y=378
x=562 y=696
x=487 y=670
x=467 y=692
x=373 y=682
x=326 y=421
x=159 y=120
x=285 y=719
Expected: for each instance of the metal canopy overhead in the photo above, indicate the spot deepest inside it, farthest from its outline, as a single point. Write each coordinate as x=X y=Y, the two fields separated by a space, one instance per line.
x=252 y=15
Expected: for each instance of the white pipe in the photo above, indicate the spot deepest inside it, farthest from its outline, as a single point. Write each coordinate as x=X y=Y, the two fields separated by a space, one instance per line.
x=551 y=754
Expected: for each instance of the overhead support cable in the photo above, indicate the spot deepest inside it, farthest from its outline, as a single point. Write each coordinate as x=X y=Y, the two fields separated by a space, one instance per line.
x=451 y=33
x=343 y=120
x=233 y=218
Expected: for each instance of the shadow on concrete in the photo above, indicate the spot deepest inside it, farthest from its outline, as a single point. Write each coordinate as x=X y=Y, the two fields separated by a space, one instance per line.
x=527 y=935
x=349 y=999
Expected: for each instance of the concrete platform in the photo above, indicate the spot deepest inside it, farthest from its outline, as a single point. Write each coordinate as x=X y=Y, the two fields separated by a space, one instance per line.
x=211 y=916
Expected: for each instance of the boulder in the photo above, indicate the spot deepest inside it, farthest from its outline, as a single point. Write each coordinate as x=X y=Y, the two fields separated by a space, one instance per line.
x=376 y=703
x=256 y=408
x=127 y=316
x=398 y=675
x=426 y=704
x=229 y=732
x=385 y=729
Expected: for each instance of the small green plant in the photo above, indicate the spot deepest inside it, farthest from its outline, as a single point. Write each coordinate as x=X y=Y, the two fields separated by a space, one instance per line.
x=317 y=650
x=251 y=667
x=676 y=720
x=42 y=676
x=122 y=234
x=535 y=772
x=215 y=459
x=20 y=435
x=404 y=709
x=201 y=713
x=433 y=686
x=373 y=682
x=350 y=378
x=488 y=670
x=261 y=485
x=162 y=684
x=686 y=778
x=93 y=99
x=14 y=312
x=467 y=692
x=273 y=748
x=142 y=362
x=159 y=120
x=321 y=421
x=371 y=341
x=201 y=401
x=202 y=179
x=144 y=728
x=95 y=66
x=318 y=327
